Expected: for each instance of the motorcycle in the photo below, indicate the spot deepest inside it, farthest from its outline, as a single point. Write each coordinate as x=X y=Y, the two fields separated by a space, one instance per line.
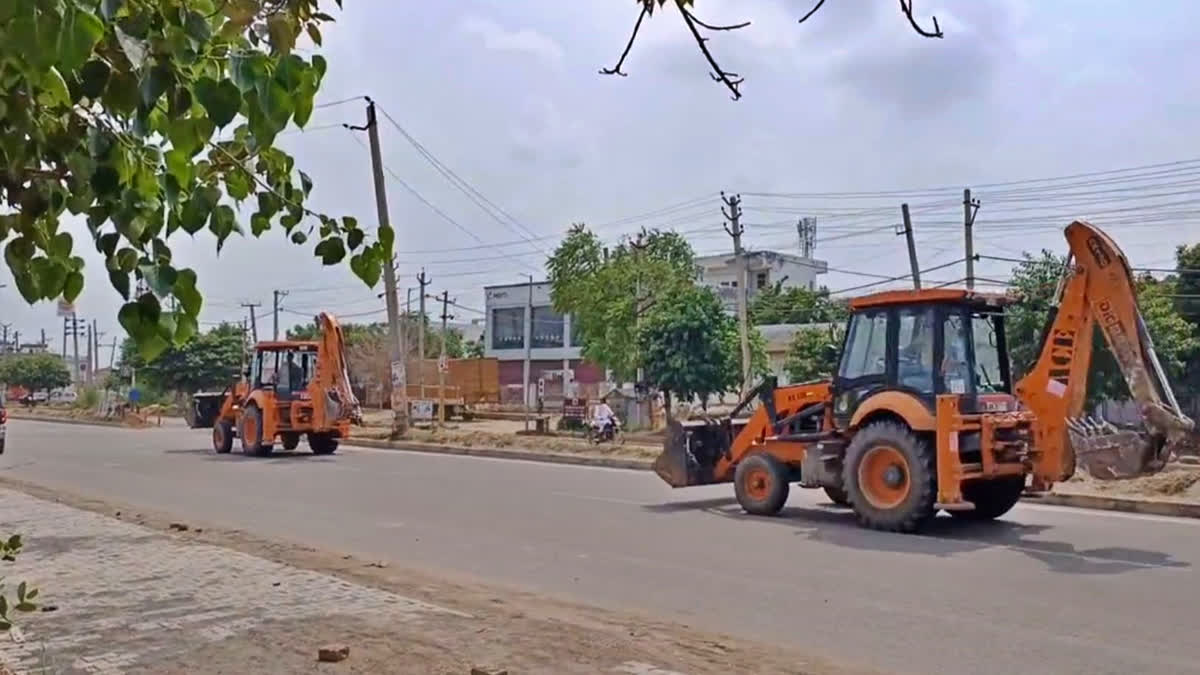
x=608 y=431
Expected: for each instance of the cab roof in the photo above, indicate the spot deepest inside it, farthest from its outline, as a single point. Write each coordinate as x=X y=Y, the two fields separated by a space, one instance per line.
x=943 y=295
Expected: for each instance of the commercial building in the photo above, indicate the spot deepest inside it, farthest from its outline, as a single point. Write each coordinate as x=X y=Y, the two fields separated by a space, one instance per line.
x=521 y=316
x=764 y=270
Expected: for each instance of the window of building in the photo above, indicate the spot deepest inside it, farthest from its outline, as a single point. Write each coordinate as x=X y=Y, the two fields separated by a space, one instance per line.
x=760 y=280
x=508 y=328
x=547 y=328
x=576 y=332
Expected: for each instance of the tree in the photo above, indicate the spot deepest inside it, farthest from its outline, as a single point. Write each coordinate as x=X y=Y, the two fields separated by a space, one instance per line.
x=35 y=372
x=813 y=353
x=606 y=291
x=1187 y=303
x=375 y=334
x=210 y=360
x=689 y=346
x=473 y=349
x=1036 y=279
x=732 y=81
x=774 y=305
x=150 y=117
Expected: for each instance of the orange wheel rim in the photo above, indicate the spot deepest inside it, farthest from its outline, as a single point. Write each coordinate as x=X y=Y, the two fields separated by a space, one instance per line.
x=883 y=477
x=758 y=483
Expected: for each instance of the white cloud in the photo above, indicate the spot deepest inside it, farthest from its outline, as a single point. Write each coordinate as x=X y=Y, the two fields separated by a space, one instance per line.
x=523 y=40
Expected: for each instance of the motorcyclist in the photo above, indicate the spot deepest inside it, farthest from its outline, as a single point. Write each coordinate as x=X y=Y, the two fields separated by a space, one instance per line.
x=603 y=417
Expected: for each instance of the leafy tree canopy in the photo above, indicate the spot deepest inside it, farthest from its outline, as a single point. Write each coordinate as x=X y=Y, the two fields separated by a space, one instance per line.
x=774 y=305
x=813 y=353
x=210 y=360
x=607 y=290
x=35 y=372
x=359 y=335
x=145 y=118
x=689 y=345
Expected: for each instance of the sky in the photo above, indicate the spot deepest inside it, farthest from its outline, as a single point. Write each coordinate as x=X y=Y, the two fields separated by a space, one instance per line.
x=842 y=118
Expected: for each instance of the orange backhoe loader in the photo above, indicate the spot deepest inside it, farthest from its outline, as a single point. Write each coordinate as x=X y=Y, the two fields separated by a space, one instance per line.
x=922 y=415
x=290 y=389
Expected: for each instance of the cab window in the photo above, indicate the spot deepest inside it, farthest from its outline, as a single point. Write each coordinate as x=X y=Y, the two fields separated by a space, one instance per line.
x=956 y=365
x=865 y=354
x=914 y=349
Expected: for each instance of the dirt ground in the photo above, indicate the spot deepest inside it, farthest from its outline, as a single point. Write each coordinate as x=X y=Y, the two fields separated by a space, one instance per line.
x=506 y=628
x=1176 y=483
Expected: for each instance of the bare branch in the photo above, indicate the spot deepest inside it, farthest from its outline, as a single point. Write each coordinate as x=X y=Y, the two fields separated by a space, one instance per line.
x=616 y=70
x=907 y=8
x=811 y=11
x=729 y=79
x=711 y=27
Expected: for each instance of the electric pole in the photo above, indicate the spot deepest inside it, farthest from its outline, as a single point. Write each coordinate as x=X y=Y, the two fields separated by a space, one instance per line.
x=970 y=208
x=4 y=327
x=276 y=296
x=253 y=321
x=732 y=210
x=43 y=337
x=399 y=366
x=442 y=363
x=64 y=342
x=528 y=352
x=912 y=246
x=424 y=281
x=75 y=336
x=88 y=373
x=96 y=335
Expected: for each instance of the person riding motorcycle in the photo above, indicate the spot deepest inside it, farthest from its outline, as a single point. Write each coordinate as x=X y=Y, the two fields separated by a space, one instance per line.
x=604 y=420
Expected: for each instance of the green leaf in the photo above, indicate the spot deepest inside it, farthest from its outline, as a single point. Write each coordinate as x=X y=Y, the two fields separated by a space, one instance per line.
x=387 y=237
x=93 y=78
x=77 y=37
x=222 y=100
x=366 y=267
x=319 y=64
x=105 y=181
x=60 y=245
x=197 y=28
x=259 y=224
x=331 y=251
x=222 y=223
x=185 y=327
x=354 y=238
x=185 y=291
x=282 y=30
x=54 y=89
x=26 y=607
x=179 y=166
x=154 y=83
x=127 y=259
x=237 y=184
x=119 y=281
x=190 y=134
x=160 y=278
x=299 y=237
x=51 y=276
x=122 y=94
x=248 y=70
x=314 y=34
x=306 y=183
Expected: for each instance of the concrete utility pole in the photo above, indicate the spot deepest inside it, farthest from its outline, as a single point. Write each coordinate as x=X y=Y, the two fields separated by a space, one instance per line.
x=424 y=280
x=970 y=208
x=75 y=336
x=912 y=246
x=528 y=351
x=96 y=335
x=276 y=296
x=733 y=213
x=253 y=320
x=88 y=374
x=390 y=292
x=64 y=342
x=442 y=364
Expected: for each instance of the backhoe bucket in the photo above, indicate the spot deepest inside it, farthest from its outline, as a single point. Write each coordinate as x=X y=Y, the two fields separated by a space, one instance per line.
x=690 y=453
x=1108 y=453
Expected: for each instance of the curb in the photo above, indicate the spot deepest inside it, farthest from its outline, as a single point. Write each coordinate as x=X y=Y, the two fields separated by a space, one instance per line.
x=501 y=453
x=68 y=420
x=1155 y=507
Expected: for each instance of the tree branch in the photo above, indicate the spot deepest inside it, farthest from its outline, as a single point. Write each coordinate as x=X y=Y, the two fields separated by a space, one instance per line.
x=711 y=27
x=811 y=11
x=730 y=79
x=907 y=8
x=616 y=70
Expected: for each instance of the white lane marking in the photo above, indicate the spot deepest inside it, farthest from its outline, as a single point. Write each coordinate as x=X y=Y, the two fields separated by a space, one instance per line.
x=593 y=498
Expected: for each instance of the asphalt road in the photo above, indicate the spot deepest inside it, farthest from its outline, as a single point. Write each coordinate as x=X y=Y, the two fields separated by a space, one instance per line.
x=1046 y=590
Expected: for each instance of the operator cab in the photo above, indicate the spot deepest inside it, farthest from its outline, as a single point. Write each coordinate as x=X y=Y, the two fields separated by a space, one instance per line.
x=925 y=343
x=285 y=367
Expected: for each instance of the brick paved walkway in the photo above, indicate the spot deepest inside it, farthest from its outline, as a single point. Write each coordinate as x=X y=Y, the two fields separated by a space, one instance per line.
x=126 y=593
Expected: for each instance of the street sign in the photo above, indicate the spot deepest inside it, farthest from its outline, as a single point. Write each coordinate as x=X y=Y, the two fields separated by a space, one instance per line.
x=65 y=308
x=421 y=409
x=443 y=364
x=398 y=374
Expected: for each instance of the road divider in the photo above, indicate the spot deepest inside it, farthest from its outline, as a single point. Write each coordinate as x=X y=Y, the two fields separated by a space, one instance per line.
x=1143 y=505
x=506 y=453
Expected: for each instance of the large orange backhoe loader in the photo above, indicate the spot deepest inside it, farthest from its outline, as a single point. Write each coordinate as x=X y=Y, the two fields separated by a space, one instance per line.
x=290 y=389
x=922 y=415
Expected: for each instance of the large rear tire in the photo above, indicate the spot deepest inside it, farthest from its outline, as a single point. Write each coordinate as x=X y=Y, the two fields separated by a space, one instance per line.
x=889 y=478
x=760 y=483
x=222 y=436
x=992 y=498
x=251 y=431
x=837 y=495
x=322 y=444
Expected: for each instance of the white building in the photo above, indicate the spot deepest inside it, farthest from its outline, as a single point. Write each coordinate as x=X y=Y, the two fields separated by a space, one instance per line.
x=764 y=269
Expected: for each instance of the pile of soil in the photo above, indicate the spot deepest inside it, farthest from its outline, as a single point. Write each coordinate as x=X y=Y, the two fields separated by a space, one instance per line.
x=1179 y=483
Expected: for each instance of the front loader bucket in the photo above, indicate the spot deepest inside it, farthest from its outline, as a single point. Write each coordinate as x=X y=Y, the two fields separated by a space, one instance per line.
x=690 y=453
x=1108 y=453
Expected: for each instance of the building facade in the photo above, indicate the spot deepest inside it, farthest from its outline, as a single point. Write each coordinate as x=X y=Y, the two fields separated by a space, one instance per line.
x=764 y=270
x=521 y=314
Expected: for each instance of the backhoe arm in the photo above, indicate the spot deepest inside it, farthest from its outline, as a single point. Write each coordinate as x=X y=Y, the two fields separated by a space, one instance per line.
x=335 y=399
x=1097 y=289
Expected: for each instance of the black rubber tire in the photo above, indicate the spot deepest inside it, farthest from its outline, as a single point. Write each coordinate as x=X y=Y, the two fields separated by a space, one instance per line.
x=992 y=498
x=222 y=436
x=917 y=508
x=756 y=466
x=290 y=441
x=322 y=444
x=837 y=495
x=253 y=444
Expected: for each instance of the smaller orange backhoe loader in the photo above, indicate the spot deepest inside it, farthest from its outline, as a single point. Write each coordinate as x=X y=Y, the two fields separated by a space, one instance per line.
x=290 y=389
x=922 y=415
